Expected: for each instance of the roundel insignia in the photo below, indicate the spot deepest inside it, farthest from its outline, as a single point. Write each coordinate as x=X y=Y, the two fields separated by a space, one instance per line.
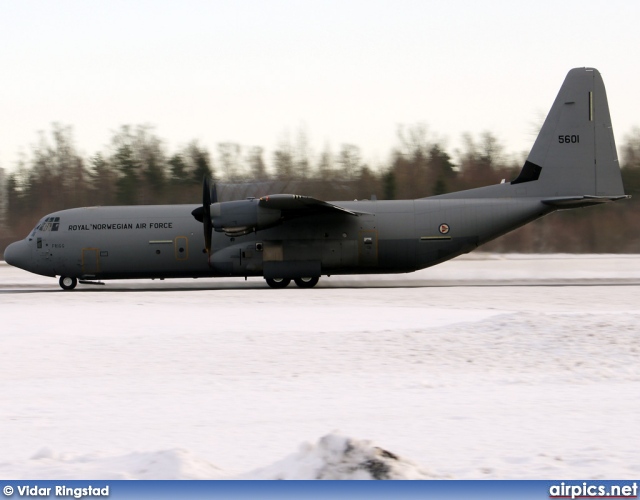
x=444 y=228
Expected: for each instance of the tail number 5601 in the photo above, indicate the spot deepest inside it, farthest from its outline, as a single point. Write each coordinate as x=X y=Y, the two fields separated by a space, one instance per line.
x=568 y=139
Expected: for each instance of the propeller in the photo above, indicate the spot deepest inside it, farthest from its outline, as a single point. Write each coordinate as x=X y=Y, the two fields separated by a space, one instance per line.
x=206 y=216
x=203 y=213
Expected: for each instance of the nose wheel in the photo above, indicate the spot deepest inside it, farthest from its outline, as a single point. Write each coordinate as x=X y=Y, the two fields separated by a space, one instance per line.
x=67 y=283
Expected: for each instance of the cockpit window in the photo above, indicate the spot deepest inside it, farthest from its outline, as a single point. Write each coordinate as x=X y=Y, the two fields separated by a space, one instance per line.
x=49 y=224
x=37 y=228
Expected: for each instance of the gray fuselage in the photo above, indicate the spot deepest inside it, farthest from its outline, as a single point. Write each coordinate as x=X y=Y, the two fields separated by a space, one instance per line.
x=165 y=241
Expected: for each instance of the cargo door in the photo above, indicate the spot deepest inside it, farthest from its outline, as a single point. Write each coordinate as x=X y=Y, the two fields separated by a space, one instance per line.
x=90 y=262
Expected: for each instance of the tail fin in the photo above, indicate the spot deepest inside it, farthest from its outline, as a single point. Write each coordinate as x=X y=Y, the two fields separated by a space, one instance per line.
x=574 y=156
x=573 y=162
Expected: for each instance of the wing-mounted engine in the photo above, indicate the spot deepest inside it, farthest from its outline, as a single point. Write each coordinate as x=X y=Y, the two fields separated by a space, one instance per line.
x=236 y=218
x=233 y=218
x=240 y=217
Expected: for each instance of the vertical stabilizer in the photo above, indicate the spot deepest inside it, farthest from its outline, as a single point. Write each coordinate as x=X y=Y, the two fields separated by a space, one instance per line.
x=575 y=152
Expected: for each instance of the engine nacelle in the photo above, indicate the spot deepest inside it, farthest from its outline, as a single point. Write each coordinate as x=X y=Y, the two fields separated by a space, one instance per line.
x=236 y=218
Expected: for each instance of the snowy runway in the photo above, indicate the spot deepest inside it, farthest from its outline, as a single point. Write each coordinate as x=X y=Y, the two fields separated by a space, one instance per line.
x=211 y=379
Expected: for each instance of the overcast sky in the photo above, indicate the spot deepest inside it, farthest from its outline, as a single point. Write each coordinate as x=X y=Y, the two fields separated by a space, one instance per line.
x=254 y=71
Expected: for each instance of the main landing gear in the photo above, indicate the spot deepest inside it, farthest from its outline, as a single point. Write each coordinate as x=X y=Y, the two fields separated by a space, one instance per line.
x=67 y=283
x=307 y=282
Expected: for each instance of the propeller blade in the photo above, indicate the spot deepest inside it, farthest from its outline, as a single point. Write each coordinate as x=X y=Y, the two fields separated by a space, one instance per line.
x=206 y=192
x=206 y=216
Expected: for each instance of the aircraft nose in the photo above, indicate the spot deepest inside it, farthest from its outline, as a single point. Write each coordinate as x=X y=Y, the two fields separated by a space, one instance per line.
x=17 y=254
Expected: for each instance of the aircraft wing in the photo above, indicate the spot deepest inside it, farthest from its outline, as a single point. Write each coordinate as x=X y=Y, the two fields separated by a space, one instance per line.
x=293 y=205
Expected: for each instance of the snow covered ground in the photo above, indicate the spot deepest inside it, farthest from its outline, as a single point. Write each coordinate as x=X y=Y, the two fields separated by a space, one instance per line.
x=484 y=367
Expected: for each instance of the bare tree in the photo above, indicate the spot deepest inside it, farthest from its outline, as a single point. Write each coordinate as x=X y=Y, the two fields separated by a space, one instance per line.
x=283 y=160
x=3 y=200
x=325 y=164
x=302 y=164
x=230 y=160
x=257 y=167
x=350 y=161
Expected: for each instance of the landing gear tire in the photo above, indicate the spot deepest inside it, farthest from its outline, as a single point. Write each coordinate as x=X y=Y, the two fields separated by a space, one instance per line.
x=67 y=283
x=307 y=282
x=278 y=282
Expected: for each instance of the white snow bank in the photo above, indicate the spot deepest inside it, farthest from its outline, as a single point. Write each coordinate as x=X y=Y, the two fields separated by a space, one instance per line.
x=166 y=464
x=334 y=456
x=339 y=457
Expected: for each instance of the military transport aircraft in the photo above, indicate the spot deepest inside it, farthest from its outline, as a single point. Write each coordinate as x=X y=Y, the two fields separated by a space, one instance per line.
x=284 y=237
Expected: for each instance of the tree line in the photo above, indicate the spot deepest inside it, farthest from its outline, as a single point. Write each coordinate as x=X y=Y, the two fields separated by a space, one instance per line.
x=137 y=168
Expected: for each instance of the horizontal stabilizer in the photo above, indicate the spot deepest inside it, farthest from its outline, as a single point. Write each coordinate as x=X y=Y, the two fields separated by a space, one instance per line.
x=581 y=201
